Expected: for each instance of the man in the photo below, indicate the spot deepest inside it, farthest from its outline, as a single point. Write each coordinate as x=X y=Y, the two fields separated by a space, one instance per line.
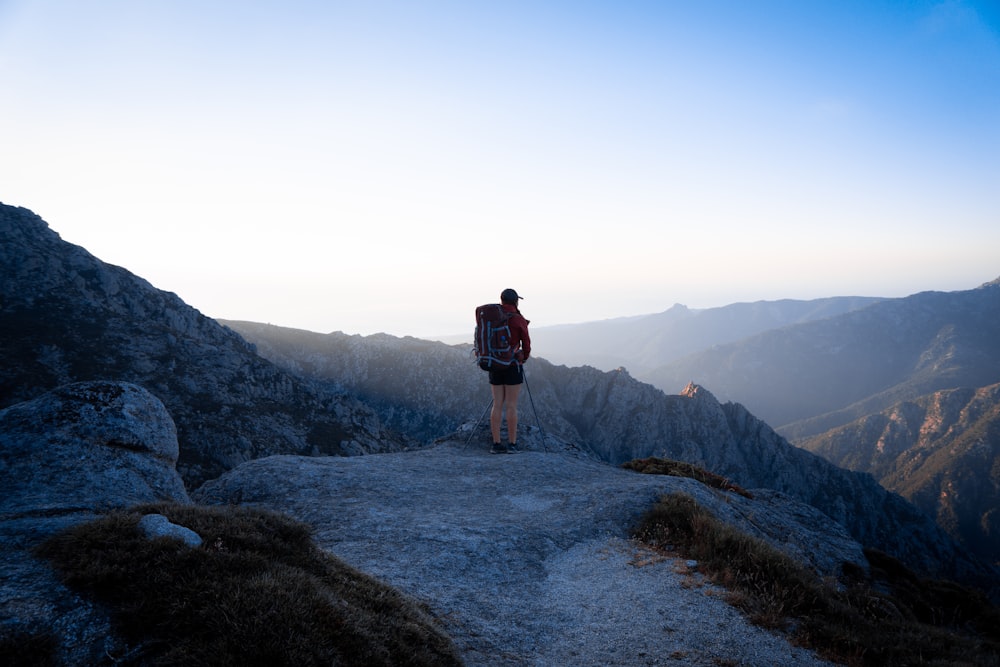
x=506 y=383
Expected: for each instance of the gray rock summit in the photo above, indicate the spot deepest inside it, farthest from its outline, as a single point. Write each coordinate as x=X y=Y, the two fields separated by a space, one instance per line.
x=87 y=447
x=526 y=557
x=65 y=457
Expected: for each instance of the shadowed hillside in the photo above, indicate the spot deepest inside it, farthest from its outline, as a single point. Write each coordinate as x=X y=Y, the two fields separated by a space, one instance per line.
x=66 y=316
x=941 y=451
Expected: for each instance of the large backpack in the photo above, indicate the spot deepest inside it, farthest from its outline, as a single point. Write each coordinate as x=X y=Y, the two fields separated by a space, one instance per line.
x=492 y=346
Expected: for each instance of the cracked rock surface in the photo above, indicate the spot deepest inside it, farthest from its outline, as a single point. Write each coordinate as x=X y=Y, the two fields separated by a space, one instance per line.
x=525 y=559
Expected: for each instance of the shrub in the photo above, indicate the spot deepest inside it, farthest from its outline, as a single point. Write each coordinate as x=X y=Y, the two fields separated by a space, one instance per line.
x=856 y=624
x=658 y=466
x=257 y=592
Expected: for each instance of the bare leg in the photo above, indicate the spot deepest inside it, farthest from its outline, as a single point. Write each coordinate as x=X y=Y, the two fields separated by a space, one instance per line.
x=496 y=414
x=513 y=391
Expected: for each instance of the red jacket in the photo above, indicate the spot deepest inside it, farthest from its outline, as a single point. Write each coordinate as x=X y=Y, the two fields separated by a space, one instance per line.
x=518 y=332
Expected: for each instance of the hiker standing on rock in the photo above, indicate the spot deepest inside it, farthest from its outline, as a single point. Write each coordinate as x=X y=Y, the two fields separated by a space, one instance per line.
x=506 y=381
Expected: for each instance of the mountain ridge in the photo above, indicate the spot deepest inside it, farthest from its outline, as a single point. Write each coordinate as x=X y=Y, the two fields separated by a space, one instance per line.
x=941 y=451
x=869 y=358
x=67 y=317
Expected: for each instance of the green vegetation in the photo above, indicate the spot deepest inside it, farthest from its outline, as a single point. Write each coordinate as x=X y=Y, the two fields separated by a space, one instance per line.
x=257 y=592
x=888 y=618
x=657 y=466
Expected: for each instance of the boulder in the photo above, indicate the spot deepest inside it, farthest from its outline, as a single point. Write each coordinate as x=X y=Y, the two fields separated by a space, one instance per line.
x=154 y=526
x=87 y=446
x=65 y=457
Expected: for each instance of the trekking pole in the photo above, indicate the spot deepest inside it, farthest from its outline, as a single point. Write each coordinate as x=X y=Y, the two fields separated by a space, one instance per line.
x=532 y=399
x=476 y=427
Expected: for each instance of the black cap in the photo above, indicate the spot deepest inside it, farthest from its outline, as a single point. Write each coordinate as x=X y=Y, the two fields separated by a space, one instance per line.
x=509 y=296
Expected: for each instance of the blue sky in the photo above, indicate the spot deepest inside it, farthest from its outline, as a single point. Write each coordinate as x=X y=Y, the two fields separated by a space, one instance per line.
x=387 y=166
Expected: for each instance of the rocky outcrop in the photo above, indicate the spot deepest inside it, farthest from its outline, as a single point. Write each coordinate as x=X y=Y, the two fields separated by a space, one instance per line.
x=87 y=447
x=154 y=526
x=64 y=457
x=526 y=558
x=65 y=316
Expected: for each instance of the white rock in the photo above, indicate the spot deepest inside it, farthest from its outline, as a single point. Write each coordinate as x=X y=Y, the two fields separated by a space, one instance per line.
x=157 y=525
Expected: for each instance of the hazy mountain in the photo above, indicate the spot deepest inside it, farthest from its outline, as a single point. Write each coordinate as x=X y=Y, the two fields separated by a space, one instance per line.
x=646 y=342
x=941 y=451
x=811 y=377
x=66 y=316
x=424 y=387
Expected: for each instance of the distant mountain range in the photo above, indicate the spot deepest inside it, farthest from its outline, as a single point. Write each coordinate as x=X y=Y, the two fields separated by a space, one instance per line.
x=808 y=378
x=644 y=343
x=66 y=316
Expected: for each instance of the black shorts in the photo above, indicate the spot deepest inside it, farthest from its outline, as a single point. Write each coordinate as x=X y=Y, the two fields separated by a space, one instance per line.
x=513 y=374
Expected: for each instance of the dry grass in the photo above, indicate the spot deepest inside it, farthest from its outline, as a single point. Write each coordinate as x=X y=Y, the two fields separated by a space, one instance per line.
x=257 y=592
x=890 y=619
x=657 y=466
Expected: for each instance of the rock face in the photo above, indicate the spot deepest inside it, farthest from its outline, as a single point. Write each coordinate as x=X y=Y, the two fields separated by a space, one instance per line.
x=156 y=525
x=940 y=451
x=65 y=316
x=525 y=558
x=65 y=456
x=615 y=418
x=87 y=447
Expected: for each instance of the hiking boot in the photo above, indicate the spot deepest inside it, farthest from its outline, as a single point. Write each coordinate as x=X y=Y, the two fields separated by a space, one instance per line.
x=498 y=448
x=512 y=447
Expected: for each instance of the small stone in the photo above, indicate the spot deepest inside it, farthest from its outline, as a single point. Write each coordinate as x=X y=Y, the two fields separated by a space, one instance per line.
x=157 y=525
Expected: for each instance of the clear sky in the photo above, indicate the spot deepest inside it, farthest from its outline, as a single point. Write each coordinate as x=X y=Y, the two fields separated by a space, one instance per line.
x=387 y=166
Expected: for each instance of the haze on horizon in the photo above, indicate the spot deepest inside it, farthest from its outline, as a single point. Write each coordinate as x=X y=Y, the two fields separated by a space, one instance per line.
x=387 y=166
